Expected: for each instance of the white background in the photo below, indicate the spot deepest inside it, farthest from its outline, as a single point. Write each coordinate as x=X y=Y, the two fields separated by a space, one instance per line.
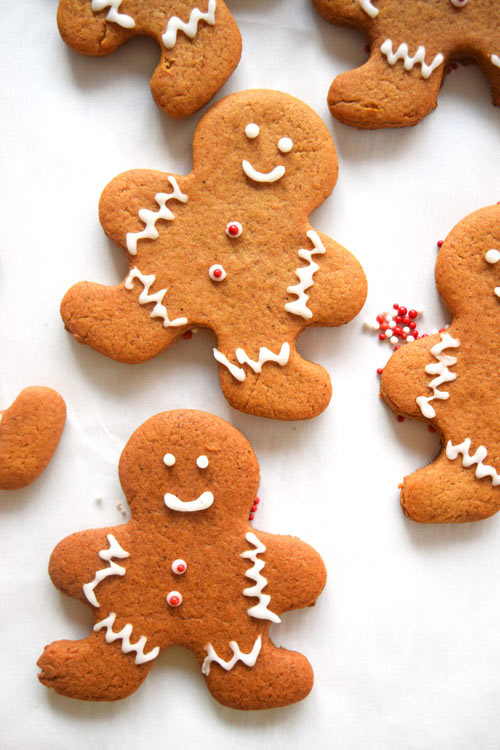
x=405 y=639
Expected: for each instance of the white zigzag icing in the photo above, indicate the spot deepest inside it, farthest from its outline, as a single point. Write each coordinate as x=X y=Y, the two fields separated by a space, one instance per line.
x=495 y=59
x=260 y=610
x=113 y=15
x=409 y=62
x=305 y=275
x=248 y=659
x=265 y=355
x=482 y=470
x=150 y=218
x=439 y=368
x=159 y=310
x=124 y=636
x=369 y=8
x=190 y=28
x=114 y=550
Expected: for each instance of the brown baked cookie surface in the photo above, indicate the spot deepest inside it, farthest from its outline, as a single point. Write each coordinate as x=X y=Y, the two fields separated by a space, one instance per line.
x=451 y=380
x=411 y=43
x=186 y=570
x=199 y=41
x=230 y=248
x=30 y=430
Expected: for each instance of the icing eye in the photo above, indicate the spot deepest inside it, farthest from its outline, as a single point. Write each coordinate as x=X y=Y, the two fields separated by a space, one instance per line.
x=174 y=599
x=169 y=459
x=234 y=229
x=252 y=130
x=285 y=145
x=492 y=256
x=202 y=462
x=217 y=273
x=459 y=3
x=179 y=567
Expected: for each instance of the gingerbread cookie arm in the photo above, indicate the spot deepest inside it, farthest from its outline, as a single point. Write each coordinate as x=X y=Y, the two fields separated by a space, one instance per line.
x=256 y=674
x=30 y=430
x=339 y=287
x=295 y=572
x=405 y=378
x=91 y=669
x=87 y=32
x=180 y=85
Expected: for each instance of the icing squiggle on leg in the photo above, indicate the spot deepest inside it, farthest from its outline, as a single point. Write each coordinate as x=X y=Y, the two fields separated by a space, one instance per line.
x=159 y=310
x=305 y=275
x=482 y=469
x=150 y=218
x=124 y=636
x=127 y=22
x=409 y=62
x=265 y=355
x=248 y=659
x=260 y=610
x=440 y=368
x=190 y=28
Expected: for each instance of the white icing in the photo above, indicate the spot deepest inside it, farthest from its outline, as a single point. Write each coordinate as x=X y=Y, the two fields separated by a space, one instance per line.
x=238 y=227
x=305 y=275
x=369 y=8
x=459 y=3
x=248 y=659
x=482 y=470
x=497 y=291
x=439 y=368
x=150 y=218
x=495 y=59
x=260 y=610
x=145 y=298
x=409 y=62
x=204 y=501
x=190 y=28
x=177 y=564
x=285 y=145
x=265 y=355
x=492 y=256
x=114 y=550
x=113 y=15
x=170 y=597
x=252 y=130
x=219 y=276
x=202 y=462
x=124 y=636
x=169 y=459
x=273 y=176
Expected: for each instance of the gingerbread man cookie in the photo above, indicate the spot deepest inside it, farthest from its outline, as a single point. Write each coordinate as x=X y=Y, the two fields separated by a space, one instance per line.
x=199 y=40
x=411 y=43
x=230 y=248
x=186 y=570
x=450 y=379
x=30 y=430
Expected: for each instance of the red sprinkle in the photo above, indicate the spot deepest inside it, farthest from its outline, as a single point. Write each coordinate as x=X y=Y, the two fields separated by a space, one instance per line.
x=251 y=517
x=400 y=418
x=256 y=501
x=232 y=229
x=217 y=273
x=382 y=336
x=412 y=325
x=181 y=568
x=431 y=428
x=398 y=331
x=413 y=314
x=398 y=346
x=454 y=66
x=403 y=311
x=254 y=508
x=441 y=330
x=187 y=335
x=440 y=243
x=380 y=370
x=380 y=319
x=404 y=336
x=406 y=320
x=367 y=48
x=395 y=306
x=174 y=601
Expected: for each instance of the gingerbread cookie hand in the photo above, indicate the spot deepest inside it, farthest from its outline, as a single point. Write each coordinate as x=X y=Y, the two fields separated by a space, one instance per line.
x=187 y=570
x=199 y=40
x=460 y=397
x=410 y=46
x=230 y=248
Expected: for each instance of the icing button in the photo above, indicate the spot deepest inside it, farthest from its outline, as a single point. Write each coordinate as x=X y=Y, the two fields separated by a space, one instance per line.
x=234 y=229
x=174 y=598
x=179 y=567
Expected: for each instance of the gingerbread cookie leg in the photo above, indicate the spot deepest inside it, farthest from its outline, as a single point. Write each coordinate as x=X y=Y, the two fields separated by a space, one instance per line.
x=255 y=676
x=29 y=433
x=114 y=320
x=365 y=97
x=291 y=388
x=91 y=669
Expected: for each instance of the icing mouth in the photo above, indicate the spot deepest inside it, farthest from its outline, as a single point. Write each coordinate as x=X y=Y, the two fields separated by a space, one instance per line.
x=202 y=502
x=273 y=176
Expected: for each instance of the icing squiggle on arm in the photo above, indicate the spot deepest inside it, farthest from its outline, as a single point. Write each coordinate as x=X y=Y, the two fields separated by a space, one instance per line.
x=127 y=22
x=495 y=59
x=439 y=368
x=248 y=659
x=124 y=636
x=145 y=298
x=369 y=8
x=150 y=218
x=482 y=470
x=409 y=62
x=260 y=610
x=190 y=28
x=305 y=275
x=114 y=550
x=265 y=355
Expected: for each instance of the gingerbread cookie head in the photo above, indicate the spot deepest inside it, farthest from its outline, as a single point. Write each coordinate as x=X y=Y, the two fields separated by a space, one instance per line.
x=230 y=248
x=268 y=142
x=193 y=35
x=411 y=44
x=189 y=458
x=186 y=570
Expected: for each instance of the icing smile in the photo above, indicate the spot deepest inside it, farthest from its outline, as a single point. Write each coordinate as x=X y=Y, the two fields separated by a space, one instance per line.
x=202 y=502
x=273 y=176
